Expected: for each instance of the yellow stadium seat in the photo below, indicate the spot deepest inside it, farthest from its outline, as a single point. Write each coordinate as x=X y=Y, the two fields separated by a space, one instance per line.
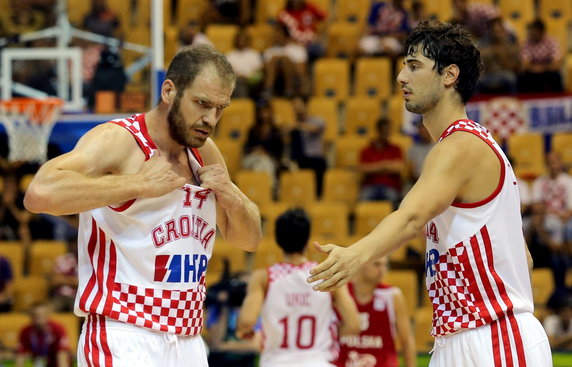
x=298 y=187
x=326 y=109
x=269 y=213
x=423 y=324
x=283 y=112
x=396 y=111
x=519 y=13
x=368 y=214
x=329 y=221
x=361 y=116
x=125 y=13
x=25 y=182
x=331 y=78
x=354 y=11
x=438 y=10
x=568 y=72
x=562 y=143
x=323 y=5
x=268 y=253
x=231 y=151
x=341 y=185
x=225 y=251
x=14 y=252
x=190 y=10
x=260 y=36
x=71 y=324
x=348 y=150
x=373 y=78
x=558 y=28
x=43 y=254
x=555 y=9
x=267 y=10
x=257 y=186
x=237 y=119
x=77 y=10
x=542 y=289
x=140 y=34
x=29 y=291
x=527 y=154
x=406 y=280
x=404 y=142
x=222 y=36
x=343 y=40
x=10 y=325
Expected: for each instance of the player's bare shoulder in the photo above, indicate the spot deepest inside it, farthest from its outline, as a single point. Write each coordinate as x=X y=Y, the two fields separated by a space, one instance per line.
x=115 y=148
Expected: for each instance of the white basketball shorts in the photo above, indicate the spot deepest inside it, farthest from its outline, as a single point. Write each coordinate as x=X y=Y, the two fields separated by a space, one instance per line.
x=514 y=341
x=108 y=343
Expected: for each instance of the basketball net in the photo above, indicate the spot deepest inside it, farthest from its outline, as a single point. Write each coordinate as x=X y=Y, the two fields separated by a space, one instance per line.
x=29 y=123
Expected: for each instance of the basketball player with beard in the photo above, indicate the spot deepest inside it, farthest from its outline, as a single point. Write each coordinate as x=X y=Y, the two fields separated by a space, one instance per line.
x=151 y=190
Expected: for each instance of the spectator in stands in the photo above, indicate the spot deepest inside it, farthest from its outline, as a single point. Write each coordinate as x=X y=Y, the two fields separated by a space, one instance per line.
x=418 y=151
x=229 y=11
x=14 y=219
x=388 y=25
x=381 y=163
x=285 y=62
x=192 y=34
x=553 y=193
x=64 y=279
x=418 y=14
x=475 y=16
x=247 y=64
x=558 y=325
x=20 y=18
x=102 y=20
x=307 y=142
x=501 y=60
x=541 y=60
x=223 y=305
x=306 y=25
x=264 y=146
x=44 y=342
x=383 y=320
x=6 y=285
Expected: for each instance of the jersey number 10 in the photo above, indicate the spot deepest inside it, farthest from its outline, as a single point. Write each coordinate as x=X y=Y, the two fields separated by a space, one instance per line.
x=306 y=325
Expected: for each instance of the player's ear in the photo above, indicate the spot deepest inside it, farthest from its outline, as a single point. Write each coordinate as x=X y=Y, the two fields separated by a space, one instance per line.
x=168 y=91
x=451 y=75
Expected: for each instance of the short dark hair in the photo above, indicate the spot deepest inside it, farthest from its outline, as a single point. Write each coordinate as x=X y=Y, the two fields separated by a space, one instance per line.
x=293 y=230
x=191 y=60
x=448 y=44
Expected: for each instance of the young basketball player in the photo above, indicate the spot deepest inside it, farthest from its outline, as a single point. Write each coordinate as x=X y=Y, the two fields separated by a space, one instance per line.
x=467 y=201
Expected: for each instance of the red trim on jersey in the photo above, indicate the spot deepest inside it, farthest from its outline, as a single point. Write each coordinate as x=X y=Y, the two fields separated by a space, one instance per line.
x=94 y=346
x=485 y=279
x=506 y=342
x=197 y=155
x=104 y=344
x=481 y=271
x=517 y=339
x=143 y=123
x=112 y=266
x=502 y=175
x=92 y=279
x=123 y=206
x=86 y=349
x=496 y=344
x=100 y=271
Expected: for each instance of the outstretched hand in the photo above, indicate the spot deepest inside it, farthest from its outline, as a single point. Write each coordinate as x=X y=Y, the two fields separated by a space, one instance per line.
x=338 y=268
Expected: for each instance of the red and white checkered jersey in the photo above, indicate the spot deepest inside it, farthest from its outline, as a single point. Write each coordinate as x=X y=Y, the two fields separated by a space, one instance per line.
x=476 y=267
x=298 y=323
x=144 y=262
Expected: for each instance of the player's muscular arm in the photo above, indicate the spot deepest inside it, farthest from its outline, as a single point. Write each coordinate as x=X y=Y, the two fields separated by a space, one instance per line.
x=445 y=173
x=238 y=218
x=252 y=304
x=95 y=175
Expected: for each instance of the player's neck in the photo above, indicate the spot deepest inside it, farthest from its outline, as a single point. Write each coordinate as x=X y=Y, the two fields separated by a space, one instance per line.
x=363 y=291
x=440 y=117
x=158 y=128
x=295 y=259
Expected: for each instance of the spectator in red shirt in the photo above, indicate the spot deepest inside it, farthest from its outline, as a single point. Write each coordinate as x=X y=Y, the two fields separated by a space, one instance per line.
x=382 y=163
x=541 y=60
x=45 y=342
x=305 y=25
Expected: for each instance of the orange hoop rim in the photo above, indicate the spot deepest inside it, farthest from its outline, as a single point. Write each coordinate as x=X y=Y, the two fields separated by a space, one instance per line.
x=39 y=110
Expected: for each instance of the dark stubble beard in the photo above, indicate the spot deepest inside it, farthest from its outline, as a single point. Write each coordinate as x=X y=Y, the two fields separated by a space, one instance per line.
x=177 y=127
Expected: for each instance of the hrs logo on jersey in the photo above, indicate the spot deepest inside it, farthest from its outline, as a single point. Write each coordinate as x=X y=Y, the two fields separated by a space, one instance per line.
x=187 y=268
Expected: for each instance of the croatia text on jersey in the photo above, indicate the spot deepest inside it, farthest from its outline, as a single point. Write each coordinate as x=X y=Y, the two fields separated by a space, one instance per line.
x=183 y=268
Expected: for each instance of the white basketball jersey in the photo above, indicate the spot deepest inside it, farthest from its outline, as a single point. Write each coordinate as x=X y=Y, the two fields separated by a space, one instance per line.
x=476 y=267
x=144 y=262
x=299 y=325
